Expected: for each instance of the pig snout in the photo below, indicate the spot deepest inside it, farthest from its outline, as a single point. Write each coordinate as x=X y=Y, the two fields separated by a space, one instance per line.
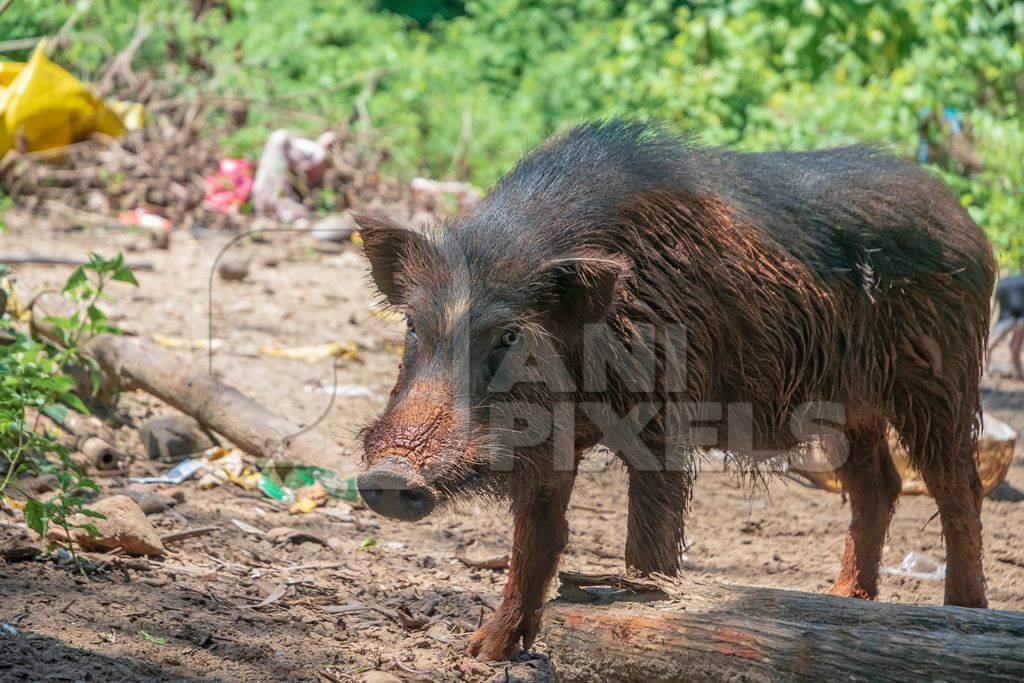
x=393 y=489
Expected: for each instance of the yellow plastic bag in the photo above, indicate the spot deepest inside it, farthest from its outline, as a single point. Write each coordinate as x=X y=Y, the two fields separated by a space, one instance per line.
x=42 y=106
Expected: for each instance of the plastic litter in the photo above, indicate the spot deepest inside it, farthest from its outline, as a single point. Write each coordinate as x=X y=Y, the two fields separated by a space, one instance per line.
x=217 y=466
x=309 y=498
x=918 y=566
x=288 y=161
x=183 y=471
x=247 y=528
x=299 y=476
x=144 y=218
x=311 y=354
x=303 y=506
x=287 y=483
x=8 y=629
x=222 y=466
x=229 y=189
x=272 y=487
x=191 y=344
x=42 y=106
x=284 y=482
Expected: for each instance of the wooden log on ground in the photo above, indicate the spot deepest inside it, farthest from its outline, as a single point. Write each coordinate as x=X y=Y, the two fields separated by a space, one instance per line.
x=135 y=363
x=699 y=632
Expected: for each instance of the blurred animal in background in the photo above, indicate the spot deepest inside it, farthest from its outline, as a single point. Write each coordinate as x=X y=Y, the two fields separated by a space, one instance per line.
x=946 y=139
x=1010 y=323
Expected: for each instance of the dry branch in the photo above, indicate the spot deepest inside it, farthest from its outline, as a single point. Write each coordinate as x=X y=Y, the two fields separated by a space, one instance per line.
x=134 y=363
x=714 y=632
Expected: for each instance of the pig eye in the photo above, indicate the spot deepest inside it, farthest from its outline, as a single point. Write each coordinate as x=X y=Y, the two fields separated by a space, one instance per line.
x=410 y=327
x=511 y=337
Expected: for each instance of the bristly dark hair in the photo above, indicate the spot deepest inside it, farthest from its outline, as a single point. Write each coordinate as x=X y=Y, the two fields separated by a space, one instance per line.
x=799 y=276
x=772 y=282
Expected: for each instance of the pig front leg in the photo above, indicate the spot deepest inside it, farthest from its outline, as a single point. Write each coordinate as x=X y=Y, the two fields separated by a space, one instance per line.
x=541 y=533
x=654 y=530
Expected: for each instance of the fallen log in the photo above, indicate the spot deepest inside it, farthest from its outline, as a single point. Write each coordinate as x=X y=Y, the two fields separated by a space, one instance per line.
x=698 y=631
x=134 y=363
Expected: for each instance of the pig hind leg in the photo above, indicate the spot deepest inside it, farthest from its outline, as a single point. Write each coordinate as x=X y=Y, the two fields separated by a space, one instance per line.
x=938 y=423
x=872 y=486
x=947 y=465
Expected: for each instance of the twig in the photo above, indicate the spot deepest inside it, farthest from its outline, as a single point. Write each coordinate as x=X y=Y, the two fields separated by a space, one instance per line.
x=18 y=43
x=122 y=63
x=4 y=4
x=80 y=9
x=409 y=669
x=312 y=565
x=616 y=581
x=487 y=563
x=176 y=536
x=47 y=260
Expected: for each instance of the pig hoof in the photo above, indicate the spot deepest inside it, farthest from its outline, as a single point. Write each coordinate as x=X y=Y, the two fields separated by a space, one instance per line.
x=494 y=647
x=499 y=638
x=844 y=590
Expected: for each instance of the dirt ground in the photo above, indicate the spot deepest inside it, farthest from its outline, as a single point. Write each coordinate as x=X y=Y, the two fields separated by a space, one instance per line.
x=236 y=606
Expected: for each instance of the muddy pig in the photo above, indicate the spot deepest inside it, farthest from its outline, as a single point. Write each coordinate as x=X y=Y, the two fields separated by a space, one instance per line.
x=623 y=285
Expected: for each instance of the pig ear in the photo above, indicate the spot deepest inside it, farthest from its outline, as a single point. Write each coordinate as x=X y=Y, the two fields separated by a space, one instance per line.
x=584 y=288
x=385 y=245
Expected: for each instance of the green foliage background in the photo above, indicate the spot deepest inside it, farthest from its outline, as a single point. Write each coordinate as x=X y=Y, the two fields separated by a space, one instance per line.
x=464 y=93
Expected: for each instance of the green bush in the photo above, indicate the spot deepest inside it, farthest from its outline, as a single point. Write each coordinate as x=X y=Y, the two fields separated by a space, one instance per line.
x=461 y=91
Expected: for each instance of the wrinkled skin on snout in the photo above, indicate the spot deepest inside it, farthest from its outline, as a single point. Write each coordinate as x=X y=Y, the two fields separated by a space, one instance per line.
x=488 y=350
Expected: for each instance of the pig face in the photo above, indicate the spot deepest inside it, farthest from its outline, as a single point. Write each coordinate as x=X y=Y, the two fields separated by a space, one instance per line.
x=488 y=347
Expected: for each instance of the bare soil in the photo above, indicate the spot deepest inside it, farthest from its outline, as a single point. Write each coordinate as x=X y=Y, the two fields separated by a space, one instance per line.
x=369 y=594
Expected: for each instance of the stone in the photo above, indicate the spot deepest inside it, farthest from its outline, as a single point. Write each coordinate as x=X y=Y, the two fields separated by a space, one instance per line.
x=380 y=677
x=172 y=437
x=334 y=228
x=233 y=269
x=125 y=526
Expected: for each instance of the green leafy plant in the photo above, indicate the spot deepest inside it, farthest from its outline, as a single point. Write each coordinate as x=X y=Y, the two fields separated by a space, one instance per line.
x=33 y=378
x=461 y=89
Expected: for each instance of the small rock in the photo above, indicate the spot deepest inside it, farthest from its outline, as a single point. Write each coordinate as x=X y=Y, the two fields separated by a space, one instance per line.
x=150 y=502
x=334 y=228
x=527 y=668
x=154 y=503
x=125 y=526
x=20 y=551
x=233 y=269
x=46 y=482
x=160 y=238
x=380 y=677
x=171 y=437
x=97 y=202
